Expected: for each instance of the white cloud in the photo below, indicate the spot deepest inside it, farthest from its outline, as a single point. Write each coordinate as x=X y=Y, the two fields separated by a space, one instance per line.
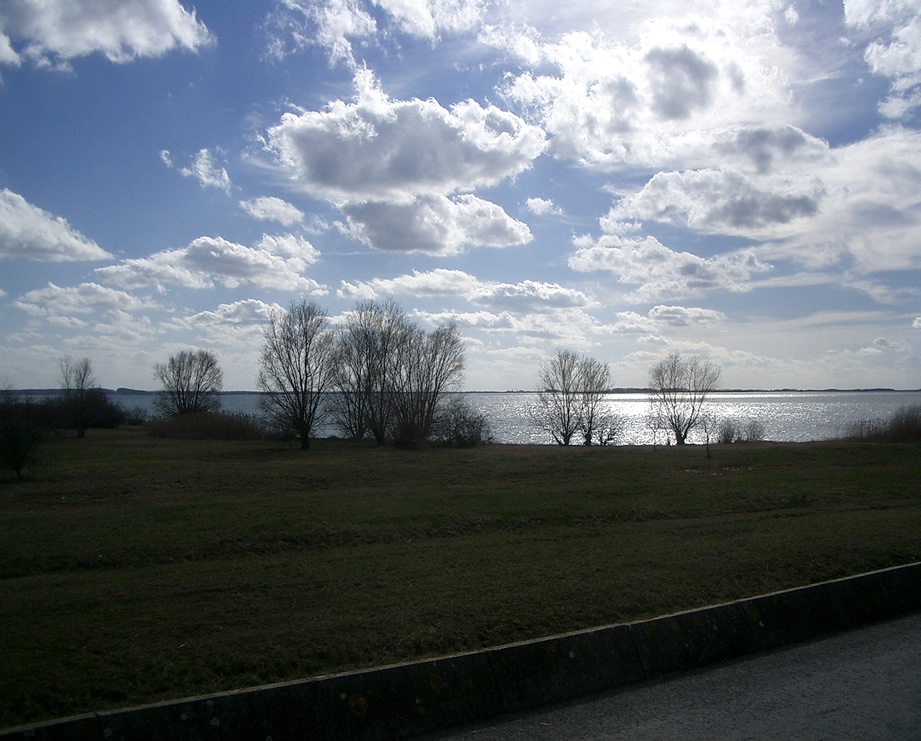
x=29 y=232
x=209 y=259
x=542 y=206
x=716 y=201
x=651 y=93
x=53 y=33
x=869 y=220
x=381 y=149
x=434 y=224
x=527 y=295
x=57 y=302
x=270 y=208
x=401 y=171
x=208 y=174
x=916 y=323
x=337 y=25
x=895 y=53
x=662 y=273
x=289 y=245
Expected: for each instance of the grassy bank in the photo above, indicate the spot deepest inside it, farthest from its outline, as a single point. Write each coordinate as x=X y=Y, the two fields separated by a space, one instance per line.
x=135 y=569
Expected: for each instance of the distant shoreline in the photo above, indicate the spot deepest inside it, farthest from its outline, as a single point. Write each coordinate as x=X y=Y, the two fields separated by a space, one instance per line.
x=130 y=391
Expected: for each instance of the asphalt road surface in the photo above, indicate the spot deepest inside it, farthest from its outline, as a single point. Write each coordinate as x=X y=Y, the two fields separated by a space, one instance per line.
x=861 y=685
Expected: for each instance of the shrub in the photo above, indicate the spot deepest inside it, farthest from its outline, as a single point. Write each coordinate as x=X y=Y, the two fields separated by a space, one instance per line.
x=22 y=425
x=903 y=427
x=209 y=425
x=727 y=432
x=460 y=425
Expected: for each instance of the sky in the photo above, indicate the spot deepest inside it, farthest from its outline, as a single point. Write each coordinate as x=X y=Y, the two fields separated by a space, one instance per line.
x=737 y=180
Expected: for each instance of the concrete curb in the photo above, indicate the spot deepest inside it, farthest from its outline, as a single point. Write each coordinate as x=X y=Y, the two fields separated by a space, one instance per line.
x=406 y=700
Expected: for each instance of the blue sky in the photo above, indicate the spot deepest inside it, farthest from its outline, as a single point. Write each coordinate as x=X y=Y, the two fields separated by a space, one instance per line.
x=740 y=180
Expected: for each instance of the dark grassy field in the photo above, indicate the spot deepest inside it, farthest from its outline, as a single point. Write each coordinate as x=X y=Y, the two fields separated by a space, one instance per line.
x=135 y=569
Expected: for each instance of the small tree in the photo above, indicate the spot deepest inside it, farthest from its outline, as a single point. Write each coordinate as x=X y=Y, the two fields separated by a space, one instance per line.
x=21 y=429
x=191 y=381
x=570 y=399
x=77 y=382
x=296 y=368
x=679 y=388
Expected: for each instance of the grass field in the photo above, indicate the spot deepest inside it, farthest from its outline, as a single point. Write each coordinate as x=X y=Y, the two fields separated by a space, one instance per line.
x=135 y=569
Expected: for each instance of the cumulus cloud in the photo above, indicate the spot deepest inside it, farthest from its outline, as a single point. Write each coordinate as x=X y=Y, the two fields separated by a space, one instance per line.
x=381 y=149
x=716 y=201
x=662 y=273
x=204 y=169
x=275 y=262
x=655 y=92
x=662 y=317
x=526 y=295
x=916 y=323
x=402 y=171
x=542 y=206
x=270 y=208
x=869 y=220
x=85 y=299
x=766 y=148
x=434 y=224
x=29 y=232
x=53 y=33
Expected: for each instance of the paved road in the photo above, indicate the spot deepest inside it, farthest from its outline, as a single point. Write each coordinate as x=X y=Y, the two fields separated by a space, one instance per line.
x=865 y=684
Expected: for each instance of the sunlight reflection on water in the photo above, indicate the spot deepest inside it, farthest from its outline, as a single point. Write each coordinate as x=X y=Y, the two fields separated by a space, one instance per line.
x=795 y=416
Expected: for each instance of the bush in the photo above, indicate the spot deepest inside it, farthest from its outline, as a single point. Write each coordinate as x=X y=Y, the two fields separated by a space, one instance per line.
x=209 y=426
x=22 y=426
x=903 y=427
x=729 y=431
x=461 y=426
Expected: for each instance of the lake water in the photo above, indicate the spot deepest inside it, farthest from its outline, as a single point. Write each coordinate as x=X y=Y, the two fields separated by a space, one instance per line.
x=791 y=416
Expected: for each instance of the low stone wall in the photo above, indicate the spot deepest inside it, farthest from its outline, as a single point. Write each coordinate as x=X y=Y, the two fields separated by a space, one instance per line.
x=405 y=700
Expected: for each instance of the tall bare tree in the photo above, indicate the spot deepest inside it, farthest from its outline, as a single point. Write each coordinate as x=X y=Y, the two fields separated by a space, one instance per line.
x=557 y=410
x=366 y=356
x=296 y=367
x=570 y=399
x=679 y=388
x=78 y=382
x=191 y=382
x=427 y=366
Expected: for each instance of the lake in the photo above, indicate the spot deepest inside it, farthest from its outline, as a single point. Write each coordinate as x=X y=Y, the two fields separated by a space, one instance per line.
x=791 y=416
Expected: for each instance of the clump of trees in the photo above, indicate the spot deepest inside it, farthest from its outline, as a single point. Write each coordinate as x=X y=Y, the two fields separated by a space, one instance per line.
x=570 y=400
x=679 y=387
x=388 y=377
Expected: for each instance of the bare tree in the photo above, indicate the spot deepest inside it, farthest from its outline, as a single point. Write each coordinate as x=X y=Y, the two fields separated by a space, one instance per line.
x=570 y=399
x=366 y=355
x=427 y=365
x=296 y=367
x=191 y=381
x=679 y=388
x=598 y=423
x=78 y=383
x=558 y=411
